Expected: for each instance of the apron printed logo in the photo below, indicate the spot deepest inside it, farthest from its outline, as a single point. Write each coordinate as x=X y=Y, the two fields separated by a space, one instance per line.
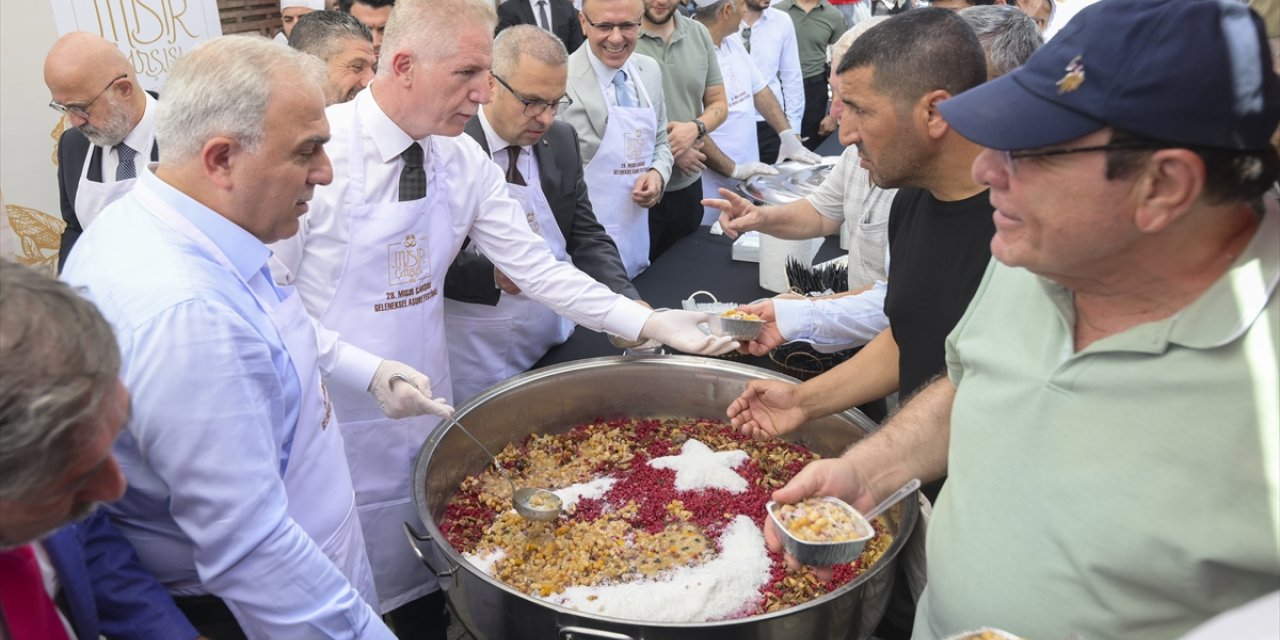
x=633 y=145
x=407 y=264
x=533 y=222
x=406 y=261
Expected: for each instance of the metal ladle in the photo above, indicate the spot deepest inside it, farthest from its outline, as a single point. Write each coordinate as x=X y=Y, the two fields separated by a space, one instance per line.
x=532 y=503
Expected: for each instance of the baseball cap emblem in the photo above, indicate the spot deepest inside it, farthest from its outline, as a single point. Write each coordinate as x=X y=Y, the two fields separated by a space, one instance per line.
x=1074 y=77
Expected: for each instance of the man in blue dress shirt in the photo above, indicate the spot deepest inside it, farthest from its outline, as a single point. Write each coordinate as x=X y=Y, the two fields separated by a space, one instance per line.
x=240 y=499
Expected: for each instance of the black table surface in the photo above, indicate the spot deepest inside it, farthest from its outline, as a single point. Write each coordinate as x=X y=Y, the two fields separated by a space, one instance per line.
x=698 y=262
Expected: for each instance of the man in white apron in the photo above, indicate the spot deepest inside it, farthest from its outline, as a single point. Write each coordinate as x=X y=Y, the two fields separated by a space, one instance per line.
x=732 y=152
x=239 y=500
x=620 y=115
x=112 y=132
x=372 y=254
x=494 y=330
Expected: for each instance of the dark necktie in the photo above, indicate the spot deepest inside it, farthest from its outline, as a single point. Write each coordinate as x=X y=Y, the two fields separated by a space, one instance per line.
x=513 y=170
x=28 y=610
x=746 y=38
x=413 y=180
x=126 y=169
x=542 y=14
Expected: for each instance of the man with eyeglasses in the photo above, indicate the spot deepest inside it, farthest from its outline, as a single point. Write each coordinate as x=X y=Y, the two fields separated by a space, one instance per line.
x=1108 y=421
x=495 y=331
x=371 y=256
x=620 y=114
x=770 y=37
x=112 y=128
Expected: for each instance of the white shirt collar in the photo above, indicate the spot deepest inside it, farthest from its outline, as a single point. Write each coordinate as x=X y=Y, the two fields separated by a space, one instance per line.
x=496 y=143
x=603 y=71
x=387 y=136
x=142 y=136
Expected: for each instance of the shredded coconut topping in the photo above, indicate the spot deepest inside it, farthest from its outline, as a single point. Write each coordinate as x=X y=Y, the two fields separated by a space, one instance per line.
x=714 y=590
x=570 y=495
x=486 y=561
x=698 y=467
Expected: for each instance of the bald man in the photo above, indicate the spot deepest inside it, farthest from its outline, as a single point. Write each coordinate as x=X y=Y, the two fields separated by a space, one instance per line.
x=112 y=131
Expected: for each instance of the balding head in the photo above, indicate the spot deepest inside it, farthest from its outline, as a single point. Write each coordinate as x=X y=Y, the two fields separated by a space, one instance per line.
x=95 y=82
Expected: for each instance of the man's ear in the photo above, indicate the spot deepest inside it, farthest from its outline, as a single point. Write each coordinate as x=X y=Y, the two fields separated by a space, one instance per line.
x=217 y=157
x=401 y=67
x=927 y=107
x=1171 y=183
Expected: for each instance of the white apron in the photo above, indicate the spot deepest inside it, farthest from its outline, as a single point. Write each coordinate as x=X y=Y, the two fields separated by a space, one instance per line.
x=626 y=152
x=92 y=197
x=388 y=303
x=316 y=480
x=737 y=136
x=488 y=344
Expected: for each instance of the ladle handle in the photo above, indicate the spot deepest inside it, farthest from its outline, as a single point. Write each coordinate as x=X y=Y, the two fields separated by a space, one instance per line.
x=893 y=498
x=483 y=448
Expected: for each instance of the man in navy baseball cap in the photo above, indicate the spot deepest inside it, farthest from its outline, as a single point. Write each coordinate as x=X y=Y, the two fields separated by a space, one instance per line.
x=1190 y=72
x=1107 y=420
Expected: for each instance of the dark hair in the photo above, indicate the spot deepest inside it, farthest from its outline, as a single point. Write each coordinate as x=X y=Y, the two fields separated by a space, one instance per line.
x=345 y=5
x=919 y=51
x=320 y=33
x=1230 y=175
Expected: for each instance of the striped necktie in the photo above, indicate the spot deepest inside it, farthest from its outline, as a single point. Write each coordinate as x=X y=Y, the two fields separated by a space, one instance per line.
x=126 y=170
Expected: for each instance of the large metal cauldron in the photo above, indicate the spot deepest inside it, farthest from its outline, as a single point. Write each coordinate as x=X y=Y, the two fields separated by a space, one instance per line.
x=555 y=399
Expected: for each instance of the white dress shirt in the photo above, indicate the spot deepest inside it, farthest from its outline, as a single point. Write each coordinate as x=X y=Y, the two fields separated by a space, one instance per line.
x=774 y=50
x=537 y=16
x=478 y=206
x=606 y=73
x=832 y=324
x=141 y=139
x=214 y=408
x=498 y=152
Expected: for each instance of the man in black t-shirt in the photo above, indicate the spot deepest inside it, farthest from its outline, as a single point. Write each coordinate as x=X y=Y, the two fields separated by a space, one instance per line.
x=940 y=224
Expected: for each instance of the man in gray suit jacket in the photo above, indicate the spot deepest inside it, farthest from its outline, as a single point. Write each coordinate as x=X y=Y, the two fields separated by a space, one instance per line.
x=600 y=83
x=544 y=172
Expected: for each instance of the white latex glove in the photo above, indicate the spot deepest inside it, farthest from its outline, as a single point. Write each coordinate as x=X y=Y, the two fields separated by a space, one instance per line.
x=744 y=170
x=403 y=391
x=679 y=330
x=792 y=149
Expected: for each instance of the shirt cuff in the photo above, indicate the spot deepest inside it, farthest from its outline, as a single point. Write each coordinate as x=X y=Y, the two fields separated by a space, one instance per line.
x=793 y=317
x=354 y=368
x=626 y=319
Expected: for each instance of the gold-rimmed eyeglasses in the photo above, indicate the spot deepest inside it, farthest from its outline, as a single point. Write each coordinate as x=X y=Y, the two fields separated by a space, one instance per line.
x=535 y=108
x=627 y=28
x=82 y=110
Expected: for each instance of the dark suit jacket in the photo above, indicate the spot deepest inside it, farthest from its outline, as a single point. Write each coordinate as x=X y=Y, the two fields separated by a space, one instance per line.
x=564 y=19
x=470 y=277
x=106 y=590
x=72 y=149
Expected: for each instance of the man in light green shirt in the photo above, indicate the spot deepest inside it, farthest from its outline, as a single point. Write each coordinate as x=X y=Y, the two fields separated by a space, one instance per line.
x=696 y=105
x=1109 y=422
x=818 y=26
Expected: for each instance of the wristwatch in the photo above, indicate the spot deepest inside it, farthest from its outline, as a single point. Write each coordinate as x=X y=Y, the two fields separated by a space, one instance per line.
x=702 y=128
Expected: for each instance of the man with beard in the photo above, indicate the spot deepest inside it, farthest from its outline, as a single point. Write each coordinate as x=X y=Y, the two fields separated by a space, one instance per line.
x=696 y=105
x=770 y=37
x=345 y=46
x=112 y=128
x=61 y=407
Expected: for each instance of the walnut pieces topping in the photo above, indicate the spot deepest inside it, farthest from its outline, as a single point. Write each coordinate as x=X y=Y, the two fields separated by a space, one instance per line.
x=642 y=527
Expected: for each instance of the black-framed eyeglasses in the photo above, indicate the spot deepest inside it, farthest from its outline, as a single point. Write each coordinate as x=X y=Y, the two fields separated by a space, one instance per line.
x=1019 y=154
x=627 y=28
x=82 y=110
x=535 y=108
